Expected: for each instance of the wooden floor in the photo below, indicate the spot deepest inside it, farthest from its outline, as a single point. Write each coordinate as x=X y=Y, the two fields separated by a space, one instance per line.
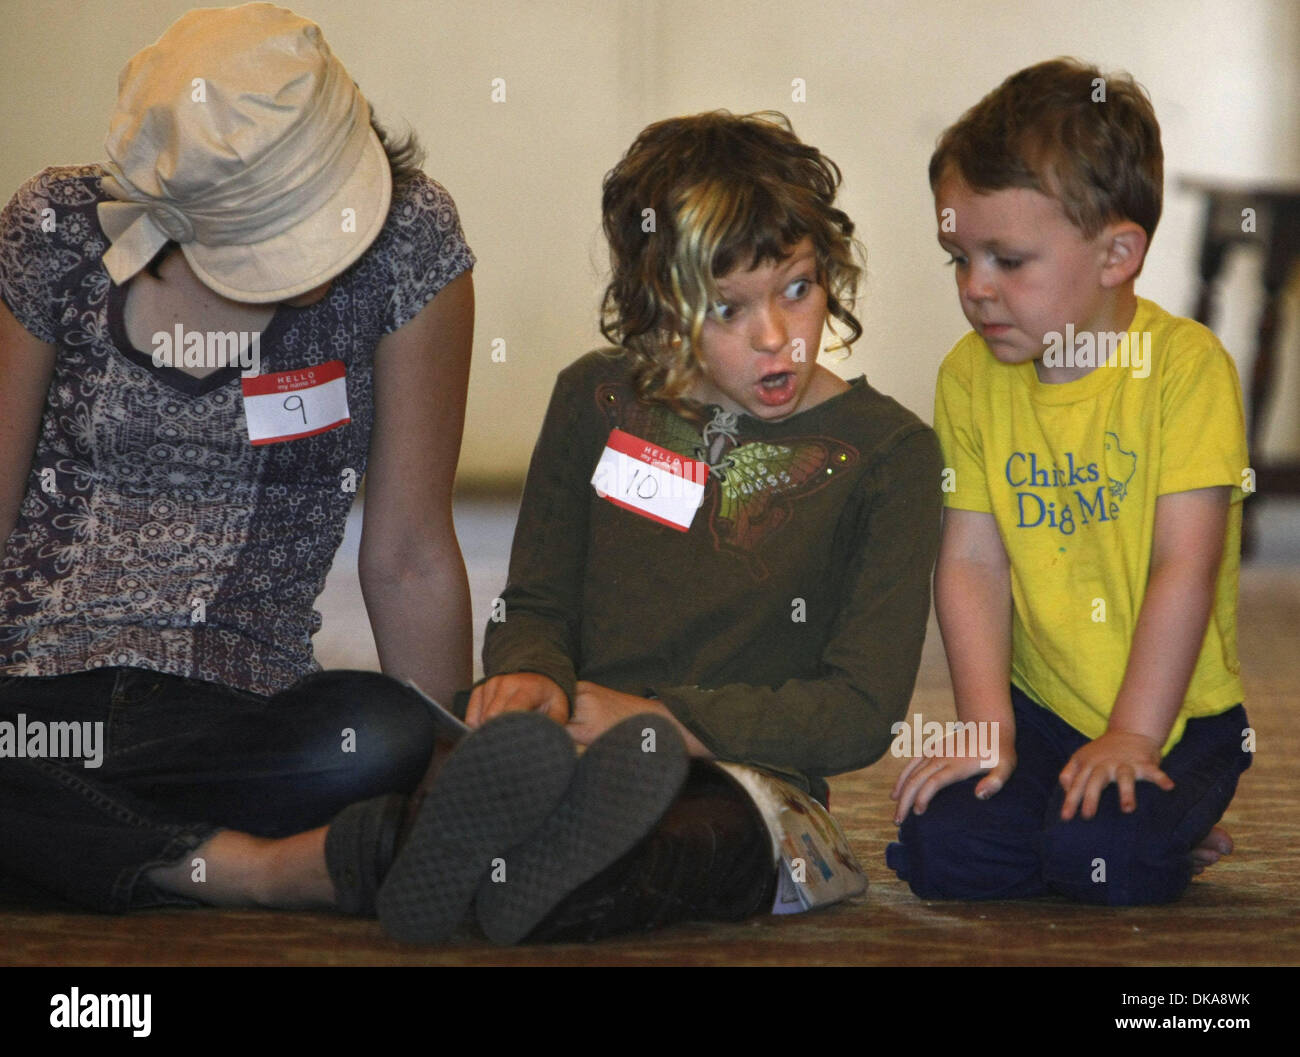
x=1246 y=911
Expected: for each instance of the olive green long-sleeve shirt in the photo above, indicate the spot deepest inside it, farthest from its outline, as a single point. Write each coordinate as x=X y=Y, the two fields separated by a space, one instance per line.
x=784 y=628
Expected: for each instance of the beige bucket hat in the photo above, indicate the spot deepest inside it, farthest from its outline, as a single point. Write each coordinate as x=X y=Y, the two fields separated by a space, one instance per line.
x=240 y=136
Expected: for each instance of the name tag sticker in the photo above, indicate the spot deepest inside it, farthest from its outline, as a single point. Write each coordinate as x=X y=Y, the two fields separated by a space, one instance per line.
x=289 y=405
x=650 y=480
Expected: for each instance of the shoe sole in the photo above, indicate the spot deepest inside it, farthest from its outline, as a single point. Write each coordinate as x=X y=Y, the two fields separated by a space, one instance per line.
x=618 y=793
x=498 y=786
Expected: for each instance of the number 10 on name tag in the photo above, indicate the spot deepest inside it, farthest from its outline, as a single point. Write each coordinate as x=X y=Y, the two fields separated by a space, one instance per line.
x=293 y=404
x=649 y=480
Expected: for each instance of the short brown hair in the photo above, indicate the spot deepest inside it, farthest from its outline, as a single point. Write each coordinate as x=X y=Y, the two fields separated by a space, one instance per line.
x=1063 y=129
x=726 y=191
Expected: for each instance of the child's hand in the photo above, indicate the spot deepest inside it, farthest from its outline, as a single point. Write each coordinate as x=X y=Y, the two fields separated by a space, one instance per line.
x=1117 y=756
x=596 y=708
x=517 y=692
x=926 y=775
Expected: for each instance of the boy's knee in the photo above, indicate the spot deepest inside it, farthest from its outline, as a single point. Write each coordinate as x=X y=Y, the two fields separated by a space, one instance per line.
x=957 y=851
x=1116 y=859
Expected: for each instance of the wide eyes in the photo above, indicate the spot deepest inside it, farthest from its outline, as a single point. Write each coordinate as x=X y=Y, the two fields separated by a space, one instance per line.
x=795 y=290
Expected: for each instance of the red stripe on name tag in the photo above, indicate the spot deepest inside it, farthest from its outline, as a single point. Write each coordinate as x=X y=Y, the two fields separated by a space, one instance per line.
x=662 y=458
x=291 y=381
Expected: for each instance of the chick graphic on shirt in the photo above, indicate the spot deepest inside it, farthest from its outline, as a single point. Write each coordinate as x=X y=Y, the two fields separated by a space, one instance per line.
x=1120 y=466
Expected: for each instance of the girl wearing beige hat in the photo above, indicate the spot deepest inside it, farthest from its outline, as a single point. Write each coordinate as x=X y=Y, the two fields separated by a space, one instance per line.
x=205 y=342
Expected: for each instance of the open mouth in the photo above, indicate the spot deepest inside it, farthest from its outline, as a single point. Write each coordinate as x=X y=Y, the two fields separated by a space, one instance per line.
x=776 y=388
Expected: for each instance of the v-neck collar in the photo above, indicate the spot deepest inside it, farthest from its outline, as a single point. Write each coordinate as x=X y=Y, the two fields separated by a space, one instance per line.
x=174 y=377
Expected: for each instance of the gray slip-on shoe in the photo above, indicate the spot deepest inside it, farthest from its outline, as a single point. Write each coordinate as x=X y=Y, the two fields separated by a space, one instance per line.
x=621 y=788
x=498 y=786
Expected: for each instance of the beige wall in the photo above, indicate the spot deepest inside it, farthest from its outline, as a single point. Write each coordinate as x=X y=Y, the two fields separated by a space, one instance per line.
x=883 y=79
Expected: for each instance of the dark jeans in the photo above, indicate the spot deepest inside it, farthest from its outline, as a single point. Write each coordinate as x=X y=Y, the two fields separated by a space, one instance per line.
x=1015 y=846
x=184 y=758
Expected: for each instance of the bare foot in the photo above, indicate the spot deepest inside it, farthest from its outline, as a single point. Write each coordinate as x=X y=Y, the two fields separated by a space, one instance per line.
x=1217 y=843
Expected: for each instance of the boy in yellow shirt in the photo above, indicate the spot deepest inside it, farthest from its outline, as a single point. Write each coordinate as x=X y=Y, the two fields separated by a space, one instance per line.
x=1095 y=461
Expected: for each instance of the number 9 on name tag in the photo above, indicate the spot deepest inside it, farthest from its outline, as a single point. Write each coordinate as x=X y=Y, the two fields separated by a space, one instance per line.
x=289 y=405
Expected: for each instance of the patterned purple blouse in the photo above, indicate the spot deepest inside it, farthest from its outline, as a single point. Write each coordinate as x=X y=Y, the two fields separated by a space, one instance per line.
x=153 y=534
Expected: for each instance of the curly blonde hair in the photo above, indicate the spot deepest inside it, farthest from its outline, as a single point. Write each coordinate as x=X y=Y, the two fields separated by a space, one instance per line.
x=695 y=198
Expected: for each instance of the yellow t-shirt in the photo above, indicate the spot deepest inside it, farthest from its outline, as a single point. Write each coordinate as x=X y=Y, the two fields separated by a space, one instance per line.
x=1071 y=472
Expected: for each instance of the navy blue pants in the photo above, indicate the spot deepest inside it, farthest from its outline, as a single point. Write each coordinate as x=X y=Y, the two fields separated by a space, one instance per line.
x=182 y=759
x=1015 y=845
